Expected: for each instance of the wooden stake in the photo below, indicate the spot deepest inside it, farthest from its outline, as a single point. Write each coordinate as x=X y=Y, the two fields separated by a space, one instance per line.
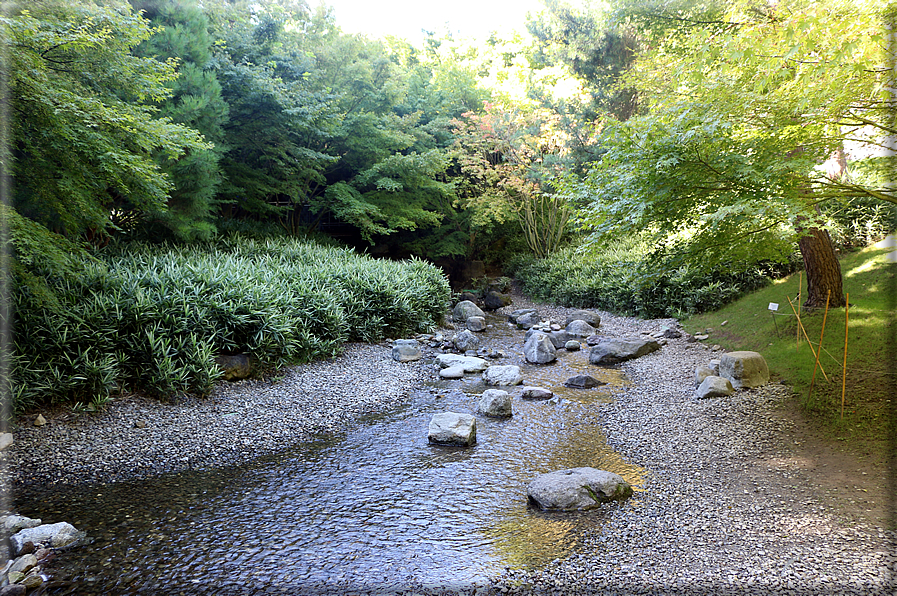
x=818 y=352
x=800 y=286
x=800 y=326
x=844 y=375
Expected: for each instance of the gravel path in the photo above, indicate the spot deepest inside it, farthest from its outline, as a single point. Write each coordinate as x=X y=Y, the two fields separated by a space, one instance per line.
x=726 y=508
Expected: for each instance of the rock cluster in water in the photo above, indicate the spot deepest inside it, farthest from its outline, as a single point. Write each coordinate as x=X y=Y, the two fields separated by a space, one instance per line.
x=31 y=543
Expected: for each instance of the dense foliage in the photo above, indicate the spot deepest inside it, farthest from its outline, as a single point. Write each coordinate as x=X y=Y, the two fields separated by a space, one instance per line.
x=628 y=277
x=154 y=318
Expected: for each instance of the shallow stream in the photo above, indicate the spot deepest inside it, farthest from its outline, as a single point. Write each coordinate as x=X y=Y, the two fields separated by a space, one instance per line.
x=373 y=508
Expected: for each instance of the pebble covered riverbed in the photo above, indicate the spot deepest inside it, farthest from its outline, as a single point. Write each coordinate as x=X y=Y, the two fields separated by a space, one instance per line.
x=724 y=506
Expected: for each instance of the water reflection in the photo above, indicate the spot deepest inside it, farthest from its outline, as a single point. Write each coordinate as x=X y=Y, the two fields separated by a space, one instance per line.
x=376 y=508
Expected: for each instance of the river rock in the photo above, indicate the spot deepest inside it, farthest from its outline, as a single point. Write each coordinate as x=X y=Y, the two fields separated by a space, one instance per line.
x=40 y=420
x=536 y=393
x=579 y=328
x=614 y=350
x=516 y=314
x=406 y=350
x=13 y=590
x=744 y=369
x=470 y=364
x=32 y=581
x=507 y=374
x=589 y=316
x=583 y=382
x=52 y=535
x=594 y=340
x=476 y=324
x=572 y=346
x=10 y=524
x=538 y=349
x=495 y=403
x=558 y=337
x=452 y=372
x=23 y=564
x=495 y=300
x=465 y=340
x=451 y=428
x=528 y=320
x=702 y=372
x=234 y=367
x=464 y=310
x=714 y=387
x=5 y=441
x=576 y=489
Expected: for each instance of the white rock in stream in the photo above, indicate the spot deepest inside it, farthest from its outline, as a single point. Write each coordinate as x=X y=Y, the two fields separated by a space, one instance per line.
x=508 y=374
x=495 y=403
x=451 y=428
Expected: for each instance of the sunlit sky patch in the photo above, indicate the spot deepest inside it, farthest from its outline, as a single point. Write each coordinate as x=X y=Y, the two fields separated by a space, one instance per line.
x=407 y=18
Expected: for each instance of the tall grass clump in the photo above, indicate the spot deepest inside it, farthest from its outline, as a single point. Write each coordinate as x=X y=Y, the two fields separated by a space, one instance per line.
x=154 y=318
x=628 y=278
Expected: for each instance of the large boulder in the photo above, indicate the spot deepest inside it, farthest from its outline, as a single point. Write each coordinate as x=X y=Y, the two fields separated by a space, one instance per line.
x=495 y=300
x=464 y=310
x=589 y=316
x=576 y=489
x=744 y=369
x=495 y=403
x=406 y=350
x=527 y=320
x=579 y=328
x=470 y=364
x=506 y=375
x=614 y=350
x=451 y=428
x=538 y=349
x=714 y=387
x=558 y=338
x=50 y=535
x=536 y=393
x=465 y=340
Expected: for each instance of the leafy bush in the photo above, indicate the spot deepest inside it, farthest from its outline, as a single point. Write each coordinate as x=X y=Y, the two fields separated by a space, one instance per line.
x=628 y=278
x=154 y=318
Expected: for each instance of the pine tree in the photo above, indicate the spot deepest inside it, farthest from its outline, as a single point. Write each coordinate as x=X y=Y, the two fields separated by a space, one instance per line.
x=195 y=102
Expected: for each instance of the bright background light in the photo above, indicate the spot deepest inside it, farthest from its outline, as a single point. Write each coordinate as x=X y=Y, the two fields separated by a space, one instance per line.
x=406 y=18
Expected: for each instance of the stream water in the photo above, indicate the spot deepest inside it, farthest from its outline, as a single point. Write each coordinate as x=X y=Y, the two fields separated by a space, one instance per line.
x=375 y=508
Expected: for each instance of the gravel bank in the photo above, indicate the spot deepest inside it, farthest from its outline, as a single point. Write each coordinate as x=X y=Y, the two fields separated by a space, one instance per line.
x=726 y=509
x=138 y=437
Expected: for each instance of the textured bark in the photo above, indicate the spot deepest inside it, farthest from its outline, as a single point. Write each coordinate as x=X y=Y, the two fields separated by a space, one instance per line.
x=823 y=270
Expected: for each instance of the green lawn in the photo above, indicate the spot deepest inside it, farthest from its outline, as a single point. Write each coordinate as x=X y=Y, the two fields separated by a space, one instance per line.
x=869 y=280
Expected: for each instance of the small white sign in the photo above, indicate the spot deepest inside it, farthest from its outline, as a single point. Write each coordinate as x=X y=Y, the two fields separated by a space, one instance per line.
x=773 y=306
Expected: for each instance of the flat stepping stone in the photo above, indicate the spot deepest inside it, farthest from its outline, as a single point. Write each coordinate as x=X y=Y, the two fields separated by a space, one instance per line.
x=452 y=372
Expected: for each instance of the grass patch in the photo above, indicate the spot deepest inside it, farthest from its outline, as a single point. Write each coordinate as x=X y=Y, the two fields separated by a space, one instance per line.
x=869 y=279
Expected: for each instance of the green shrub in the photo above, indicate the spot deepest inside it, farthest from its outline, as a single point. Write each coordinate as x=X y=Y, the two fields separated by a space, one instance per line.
x=153 y=318
x=628 y=278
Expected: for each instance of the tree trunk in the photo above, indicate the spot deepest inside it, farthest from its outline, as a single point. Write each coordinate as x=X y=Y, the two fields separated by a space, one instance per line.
x=823 y=270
